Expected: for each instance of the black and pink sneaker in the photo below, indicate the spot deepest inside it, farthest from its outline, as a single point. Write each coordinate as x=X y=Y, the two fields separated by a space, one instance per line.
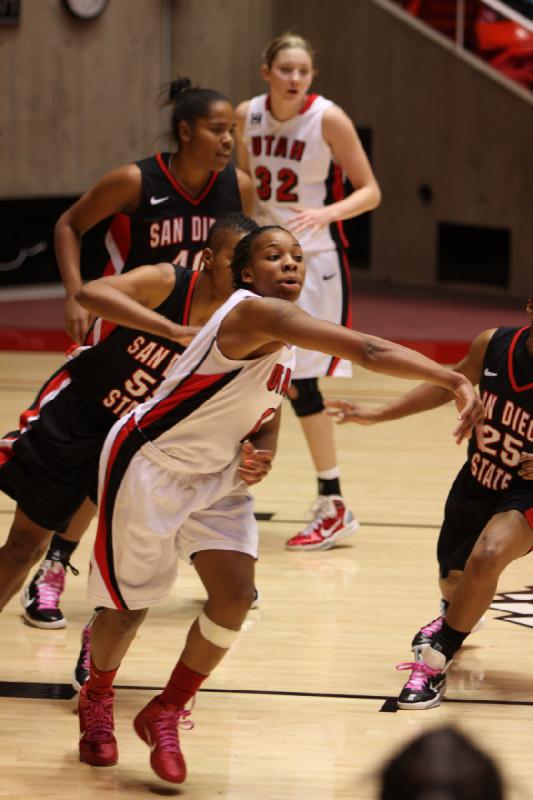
x=40 y=598
x=83 y=664
x=425 y=688
x=424 y=636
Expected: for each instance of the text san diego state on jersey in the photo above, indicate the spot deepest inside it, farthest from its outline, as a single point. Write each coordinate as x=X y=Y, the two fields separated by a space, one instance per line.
x=123 y=367
x=168 y=225
x=506 y=389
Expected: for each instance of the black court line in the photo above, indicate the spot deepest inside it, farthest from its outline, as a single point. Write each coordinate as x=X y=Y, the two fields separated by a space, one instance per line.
x=268 y=516
x=263 y=516
x=64 y=691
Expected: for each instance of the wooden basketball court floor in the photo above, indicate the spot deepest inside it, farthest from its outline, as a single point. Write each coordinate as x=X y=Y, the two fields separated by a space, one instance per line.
x=303 y=706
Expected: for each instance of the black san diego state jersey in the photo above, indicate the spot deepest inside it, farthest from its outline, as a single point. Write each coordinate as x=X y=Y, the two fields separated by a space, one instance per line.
x=506 y=389
x=122 y=367
x=168 y=225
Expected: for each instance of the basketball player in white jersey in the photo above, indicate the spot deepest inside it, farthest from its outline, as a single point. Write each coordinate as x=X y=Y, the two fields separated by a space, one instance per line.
x=170 y=482
x=298 y=147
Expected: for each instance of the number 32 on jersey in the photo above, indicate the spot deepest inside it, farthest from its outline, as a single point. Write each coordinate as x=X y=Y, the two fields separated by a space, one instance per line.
x=283 y=183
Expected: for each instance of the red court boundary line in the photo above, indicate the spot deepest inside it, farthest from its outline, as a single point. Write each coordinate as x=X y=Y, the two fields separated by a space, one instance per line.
x=54 y=341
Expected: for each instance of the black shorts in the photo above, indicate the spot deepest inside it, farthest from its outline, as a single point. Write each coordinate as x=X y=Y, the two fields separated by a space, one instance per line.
x=468 y=509
x=50 y=465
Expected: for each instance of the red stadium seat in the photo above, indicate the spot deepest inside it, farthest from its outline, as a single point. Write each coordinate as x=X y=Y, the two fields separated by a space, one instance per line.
x=500 y=34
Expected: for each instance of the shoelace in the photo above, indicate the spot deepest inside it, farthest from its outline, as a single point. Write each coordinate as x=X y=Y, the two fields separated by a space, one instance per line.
x=420 y=675
x=86 y=648
x=50 y=586
x=99 y=717
x=320 y=509
x=432 y=627
x=166 y=728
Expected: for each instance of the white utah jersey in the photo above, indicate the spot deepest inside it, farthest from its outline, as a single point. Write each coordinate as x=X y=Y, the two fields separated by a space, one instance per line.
x=290 y=163
x=208 y=403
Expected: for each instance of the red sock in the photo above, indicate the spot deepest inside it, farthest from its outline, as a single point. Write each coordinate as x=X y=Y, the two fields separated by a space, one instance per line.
x=100 y=683
x=183 y=684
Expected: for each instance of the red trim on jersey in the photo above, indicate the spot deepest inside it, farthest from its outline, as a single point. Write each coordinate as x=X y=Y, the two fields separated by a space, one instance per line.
x=120 y=231
x=346 y=314
x=308 y=102
x=337 y=190
x=6 y=453
x=186 y=389
x=50 y=387
x=180 y=190
x=103 y=533
x=188 y=299
x=106 y=328
x=512 y=378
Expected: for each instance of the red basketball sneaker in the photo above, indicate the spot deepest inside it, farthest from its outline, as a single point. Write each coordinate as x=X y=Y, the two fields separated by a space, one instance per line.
x=157 y=725
x=98 y=745
x=331 y=521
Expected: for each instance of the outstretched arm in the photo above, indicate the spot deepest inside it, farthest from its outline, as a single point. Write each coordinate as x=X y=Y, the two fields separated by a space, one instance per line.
x=268 y=320
x=422 y=398
x=129 y=299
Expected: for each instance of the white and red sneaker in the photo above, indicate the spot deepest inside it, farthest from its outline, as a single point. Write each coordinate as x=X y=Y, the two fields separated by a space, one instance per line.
x=157 y=725
x=331 y=521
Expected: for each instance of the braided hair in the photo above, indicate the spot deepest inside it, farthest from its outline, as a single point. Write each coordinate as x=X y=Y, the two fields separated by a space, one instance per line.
x=235 y=221
x=241 y=255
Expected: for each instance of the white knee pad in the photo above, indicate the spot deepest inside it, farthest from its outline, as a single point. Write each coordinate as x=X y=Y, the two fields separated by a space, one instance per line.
x=216 y=634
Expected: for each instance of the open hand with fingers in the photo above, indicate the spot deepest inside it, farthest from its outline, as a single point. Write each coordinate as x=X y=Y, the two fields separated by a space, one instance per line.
x=526 y=466
x=342 y=411
x=255 y=464
x=309 y=218
x=77 y=320
x=471 y=413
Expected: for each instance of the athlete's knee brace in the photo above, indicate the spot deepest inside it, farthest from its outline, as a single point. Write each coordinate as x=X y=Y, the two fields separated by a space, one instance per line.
x=308 y=398
x=216 y=634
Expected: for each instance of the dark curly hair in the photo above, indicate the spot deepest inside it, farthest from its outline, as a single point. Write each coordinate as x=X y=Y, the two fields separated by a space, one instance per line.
x=241 y=256
x=189 y=102
x=441 y=764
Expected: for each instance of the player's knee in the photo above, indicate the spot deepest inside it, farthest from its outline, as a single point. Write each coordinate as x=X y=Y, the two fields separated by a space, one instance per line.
x=217 y=635
x=121 y=622
x=233 y=602
x=306 y=398
x=24 y=550
x=487 y=559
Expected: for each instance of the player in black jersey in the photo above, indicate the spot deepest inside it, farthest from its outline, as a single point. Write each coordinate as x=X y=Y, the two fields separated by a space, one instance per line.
x=164 y=205
x=488 y=517
x=49 y=466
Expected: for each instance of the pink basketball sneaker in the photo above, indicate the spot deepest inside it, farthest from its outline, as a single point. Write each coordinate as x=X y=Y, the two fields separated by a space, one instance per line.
x=98 y=745
x=157 y=725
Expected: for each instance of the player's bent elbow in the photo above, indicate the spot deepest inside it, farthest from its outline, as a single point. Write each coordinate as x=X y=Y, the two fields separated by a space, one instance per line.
x=83 y=296
x=376 y=197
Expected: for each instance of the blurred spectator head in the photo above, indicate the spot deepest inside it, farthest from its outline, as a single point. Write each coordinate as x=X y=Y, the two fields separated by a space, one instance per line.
x=441 y=764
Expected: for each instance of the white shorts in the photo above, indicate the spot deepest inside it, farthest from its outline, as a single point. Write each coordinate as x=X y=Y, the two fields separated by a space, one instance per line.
x=151 y=514
x=326 y=294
